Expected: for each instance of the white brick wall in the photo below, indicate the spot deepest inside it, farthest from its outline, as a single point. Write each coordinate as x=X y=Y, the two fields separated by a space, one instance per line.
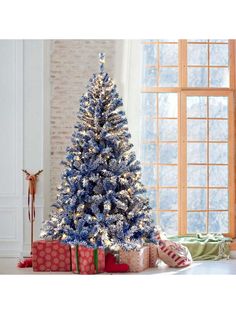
x=72 y=64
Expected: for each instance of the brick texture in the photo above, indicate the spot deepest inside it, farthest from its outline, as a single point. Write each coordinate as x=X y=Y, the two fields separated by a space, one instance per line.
x=72 y=64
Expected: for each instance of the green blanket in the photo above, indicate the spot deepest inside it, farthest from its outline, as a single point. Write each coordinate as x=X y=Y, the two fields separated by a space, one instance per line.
x=205 y=247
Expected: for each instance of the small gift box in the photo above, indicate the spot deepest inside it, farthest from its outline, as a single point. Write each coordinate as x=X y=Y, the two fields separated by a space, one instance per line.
x=87 y=260
x=153 y=255
x=174 y=254
x=51 y=256
x=138 y=260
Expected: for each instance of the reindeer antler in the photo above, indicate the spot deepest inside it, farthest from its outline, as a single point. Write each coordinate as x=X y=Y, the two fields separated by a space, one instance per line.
x=26 y=172
x=38 y=173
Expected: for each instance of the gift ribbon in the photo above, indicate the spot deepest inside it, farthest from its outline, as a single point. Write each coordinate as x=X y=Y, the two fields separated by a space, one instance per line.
x=77 y=258
x=95 y=257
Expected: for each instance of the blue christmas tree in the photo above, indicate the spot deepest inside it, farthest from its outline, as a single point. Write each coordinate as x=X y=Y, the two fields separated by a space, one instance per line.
x=101 y=201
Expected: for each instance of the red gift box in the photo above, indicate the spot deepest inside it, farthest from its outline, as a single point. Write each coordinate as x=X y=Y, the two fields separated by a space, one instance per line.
x=51 y=256
x=87 y=260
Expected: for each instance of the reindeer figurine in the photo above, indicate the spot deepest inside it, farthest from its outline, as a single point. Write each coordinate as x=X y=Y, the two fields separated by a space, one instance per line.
x=31 y=199
x=32 y=178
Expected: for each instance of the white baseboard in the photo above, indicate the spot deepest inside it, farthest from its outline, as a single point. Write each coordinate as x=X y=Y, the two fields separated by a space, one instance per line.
x=10 y=253
x=25 y=253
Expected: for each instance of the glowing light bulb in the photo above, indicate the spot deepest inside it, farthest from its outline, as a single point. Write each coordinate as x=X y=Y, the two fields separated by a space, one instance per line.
x=107 y=242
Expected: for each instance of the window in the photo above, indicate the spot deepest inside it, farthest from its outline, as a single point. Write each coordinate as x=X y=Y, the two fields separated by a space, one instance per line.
x=187 y=149
x=208 y=63
x=159 y=155
x=161 y=63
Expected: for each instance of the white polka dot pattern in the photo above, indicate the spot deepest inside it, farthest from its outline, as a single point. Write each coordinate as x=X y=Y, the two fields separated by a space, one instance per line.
x=51 y=256
x=137 y=260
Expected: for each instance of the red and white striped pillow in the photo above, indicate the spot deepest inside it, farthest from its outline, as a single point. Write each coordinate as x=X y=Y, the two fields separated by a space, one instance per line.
x=174 y=254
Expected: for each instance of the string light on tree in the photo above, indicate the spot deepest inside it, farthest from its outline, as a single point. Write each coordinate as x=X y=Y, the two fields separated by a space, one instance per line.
x=104 y=204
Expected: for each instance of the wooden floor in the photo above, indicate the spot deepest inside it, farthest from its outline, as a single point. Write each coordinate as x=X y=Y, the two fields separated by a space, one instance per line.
x=222 y=267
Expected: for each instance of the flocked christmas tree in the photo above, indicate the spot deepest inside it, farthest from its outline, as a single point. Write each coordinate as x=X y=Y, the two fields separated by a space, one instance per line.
x=101 y=201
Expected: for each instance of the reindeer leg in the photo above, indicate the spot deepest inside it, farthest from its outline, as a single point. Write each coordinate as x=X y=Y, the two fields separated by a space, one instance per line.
x=32 y=224
x=29 y=203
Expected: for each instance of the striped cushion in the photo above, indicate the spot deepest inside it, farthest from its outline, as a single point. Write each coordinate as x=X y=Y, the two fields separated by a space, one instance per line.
x=174 y=254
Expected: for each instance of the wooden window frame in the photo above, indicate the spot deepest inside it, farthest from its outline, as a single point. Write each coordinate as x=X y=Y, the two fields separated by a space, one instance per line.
x=183 y=91
x=183 y=160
